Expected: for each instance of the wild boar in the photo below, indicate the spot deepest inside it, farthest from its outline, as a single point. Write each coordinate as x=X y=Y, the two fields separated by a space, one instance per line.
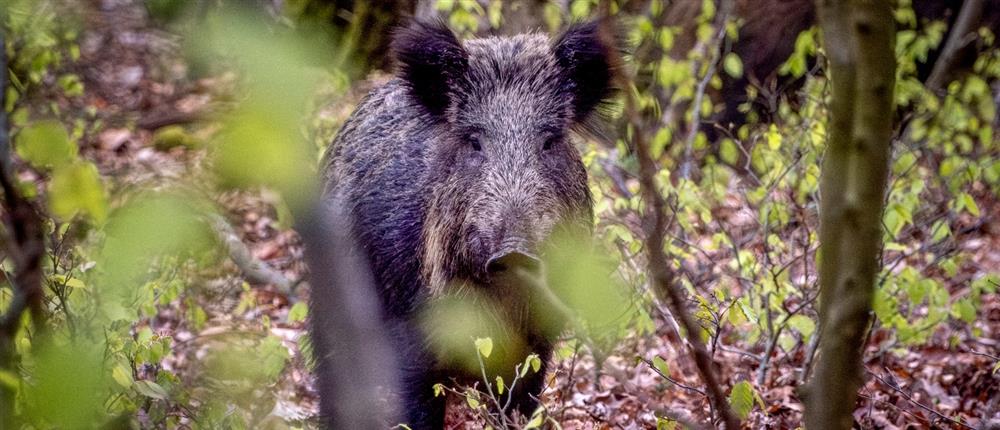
x=455 y=172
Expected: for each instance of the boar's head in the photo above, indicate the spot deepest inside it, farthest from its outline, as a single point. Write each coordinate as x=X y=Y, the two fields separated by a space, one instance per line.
x=503 y=173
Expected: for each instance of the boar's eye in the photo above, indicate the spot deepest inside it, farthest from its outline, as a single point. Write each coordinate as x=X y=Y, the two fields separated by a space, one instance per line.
x=474 y=142
x=550 y=142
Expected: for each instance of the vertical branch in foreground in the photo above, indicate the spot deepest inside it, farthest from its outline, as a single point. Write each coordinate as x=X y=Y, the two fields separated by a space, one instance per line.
x=958 y=40
x=26 y=247
x=858 y=39
x=352 y=355
x=660 y=273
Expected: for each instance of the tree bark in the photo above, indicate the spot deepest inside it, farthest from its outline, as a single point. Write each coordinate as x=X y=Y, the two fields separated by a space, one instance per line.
x=859 y=41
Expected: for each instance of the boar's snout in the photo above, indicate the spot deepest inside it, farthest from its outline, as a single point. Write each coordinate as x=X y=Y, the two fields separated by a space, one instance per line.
x=510 y=260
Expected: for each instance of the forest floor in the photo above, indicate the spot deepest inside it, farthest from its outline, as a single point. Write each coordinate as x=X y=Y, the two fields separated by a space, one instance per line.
x=136 y=78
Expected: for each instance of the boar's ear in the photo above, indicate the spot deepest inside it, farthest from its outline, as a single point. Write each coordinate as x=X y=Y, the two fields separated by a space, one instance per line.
x=590 y=55
x=431 y=60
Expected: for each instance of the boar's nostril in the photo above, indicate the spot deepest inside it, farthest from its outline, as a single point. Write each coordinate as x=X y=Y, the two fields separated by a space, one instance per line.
x=506 y=261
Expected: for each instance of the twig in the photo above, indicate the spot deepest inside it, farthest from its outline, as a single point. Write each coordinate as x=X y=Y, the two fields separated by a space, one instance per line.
x=254 y=270
x=918 y=404
x=671 y=380
x=711 y=47
x=489 y=390
x=569 y=380
x=766 y=358
x=965 y=24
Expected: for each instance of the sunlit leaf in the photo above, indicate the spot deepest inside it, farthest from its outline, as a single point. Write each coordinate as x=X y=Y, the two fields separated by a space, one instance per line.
x=76 y=188
x=45 y=144
x=151 y=389
x=298 y=312
x=661 y=365
x=484 y=346
x=741 y=398
x=733 y=65
x=65 y=381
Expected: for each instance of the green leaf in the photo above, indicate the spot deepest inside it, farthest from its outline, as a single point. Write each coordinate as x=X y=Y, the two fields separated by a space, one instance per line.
x=495 y=13
x=71 y=85
x=536 y=362
x=500 y=385
x=444 y=5
x=151 y=389
x=484 y=346
x=665 y=424
x=969 y=204
x=122 y=375
x=661 y=365
x=803 y=325
x=536 y=421
x=964 y=310
x=733 y=65
x=298 y=312
x=68 y=281
x=940 y=230
x=45 y=144
x=741 y=398
x=76 y=188
x=660 y=141
x=9 y=379
x=472 y=401
x=728 y=151
x=773 y=137
x=438 y=390
x=172 y=136
x=666 y=39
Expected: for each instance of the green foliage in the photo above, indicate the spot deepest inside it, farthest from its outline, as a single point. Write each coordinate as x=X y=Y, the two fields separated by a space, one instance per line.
x=742 y=399
x=121 y=258
x=45 y=144
x=76 y=189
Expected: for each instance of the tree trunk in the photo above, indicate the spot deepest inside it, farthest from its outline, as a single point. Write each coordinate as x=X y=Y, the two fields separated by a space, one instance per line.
x=859 y=43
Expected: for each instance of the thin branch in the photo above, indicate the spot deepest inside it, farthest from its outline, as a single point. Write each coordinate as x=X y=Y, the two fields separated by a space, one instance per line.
x=254 y=270
x=671 y=380
x=972 y=11
x=662 y=276
x=918 y=404
x=712 y=58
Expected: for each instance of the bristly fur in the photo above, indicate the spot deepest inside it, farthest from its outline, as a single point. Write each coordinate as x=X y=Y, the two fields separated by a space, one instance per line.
x=466 y=156
x=591 y=53
x=430 y=59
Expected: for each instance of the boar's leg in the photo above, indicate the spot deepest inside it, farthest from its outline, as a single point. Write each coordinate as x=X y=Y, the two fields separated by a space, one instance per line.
x=418 y=373
x=423 y=410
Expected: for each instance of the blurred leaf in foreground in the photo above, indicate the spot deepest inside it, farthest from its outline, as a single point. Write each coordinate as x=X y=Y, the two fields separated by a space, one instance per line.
x=68 y=385
x=45 y=144
x=262 y=143
x=147 y=227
